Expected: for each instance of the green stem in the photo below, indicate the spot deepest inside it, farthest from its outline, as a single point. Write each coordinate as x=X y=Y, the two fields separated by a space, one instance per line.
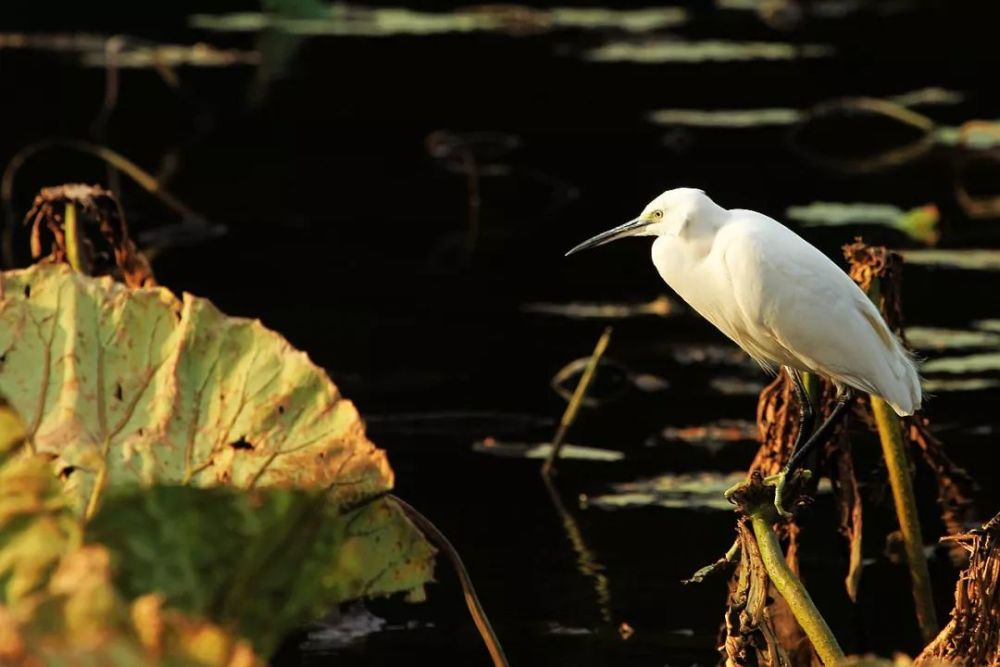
x=471 y=599
x=577 y=399
x=811 y=383
x=792 y=590
x=905 y=500
x=75 y=253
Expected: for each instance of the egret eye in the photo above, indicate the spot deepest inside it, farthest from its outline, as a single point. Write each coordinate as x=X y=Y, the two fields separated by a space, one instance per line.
x=657 y=214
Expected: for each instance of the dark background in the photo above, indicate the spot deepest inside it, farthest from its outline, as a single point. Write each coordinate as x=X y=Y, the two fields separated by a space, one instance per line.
x=347 y=235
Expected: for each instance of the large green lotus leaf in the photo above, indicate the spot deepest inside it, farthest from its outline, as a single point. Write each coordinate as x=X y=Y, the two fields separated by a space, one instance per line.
x=158 y=388
x=58 y=604
x=37 y=524
x=81 y=620
x=263 y=562
x=238 y=486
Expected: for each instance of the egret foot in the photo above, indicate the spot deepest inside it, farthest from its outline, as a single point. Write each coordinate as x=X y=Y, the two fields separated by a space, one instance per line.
x=779 y=482
x=758 y=490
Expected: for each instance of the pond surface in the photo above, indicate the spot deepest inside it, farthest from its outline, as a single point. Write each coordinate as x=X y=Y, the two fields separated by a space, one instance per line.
x=398 y=189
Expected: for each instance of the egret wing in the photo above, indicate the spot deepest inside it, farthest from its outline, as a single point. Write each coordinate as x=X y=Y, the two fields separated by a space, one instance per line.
x=807 y=313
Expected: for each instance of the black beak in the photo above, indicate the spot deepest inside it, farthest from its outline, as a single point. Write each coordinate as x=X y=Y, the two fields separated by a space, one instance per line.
x=630 y=228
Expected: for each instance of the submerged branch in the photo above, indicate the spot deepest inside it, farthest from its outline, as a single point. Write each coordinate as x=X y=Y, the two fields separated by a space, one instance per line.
x=569 y=416
x=469 y=591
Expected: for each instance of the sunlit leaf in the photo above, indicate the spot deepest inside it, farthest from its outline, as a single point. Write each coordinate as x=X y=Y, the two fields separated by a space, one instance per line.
x=58 y=605
x=80 y=620
x=148 y=387
x=128 y=394
x=37 y=523
x=231 y=553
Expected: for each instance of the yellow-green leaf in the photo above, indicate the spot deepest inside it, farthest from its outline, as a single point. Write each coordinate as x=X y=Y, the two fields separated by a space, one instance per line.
x=150 y=387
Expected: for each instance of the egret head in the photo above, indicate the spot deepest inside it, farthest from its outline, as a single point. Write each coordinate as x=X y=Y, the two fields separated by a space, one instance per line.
x=664 y=216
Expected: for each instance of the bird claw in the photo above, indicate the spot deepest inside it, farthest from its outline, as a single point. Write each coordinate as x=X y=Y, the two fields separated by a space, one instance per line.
x=779 y=481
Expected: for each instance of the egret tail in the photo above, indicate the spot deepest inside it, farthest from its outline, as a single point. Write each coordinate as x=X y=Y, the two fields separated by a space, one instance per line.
x=896 y=380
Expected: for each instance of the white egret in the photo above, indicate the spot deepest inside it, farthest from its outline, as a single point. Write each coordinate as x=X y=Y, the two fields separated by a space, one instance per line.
x=777 y=297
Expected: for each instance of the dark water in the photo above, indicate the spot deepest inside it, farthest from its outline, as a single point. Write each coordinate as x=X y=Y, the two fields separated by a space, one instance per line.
x=349 y=233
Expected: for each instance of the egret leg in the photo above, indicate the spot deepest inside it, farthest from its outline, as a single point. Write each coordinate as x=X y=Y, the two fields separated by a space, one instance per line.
x=800 y=454
x=807 y=414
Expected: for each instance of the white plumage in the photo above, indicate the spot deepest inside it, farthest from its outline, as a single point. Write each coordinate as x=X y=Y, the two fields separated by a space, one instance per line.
x=775 y=295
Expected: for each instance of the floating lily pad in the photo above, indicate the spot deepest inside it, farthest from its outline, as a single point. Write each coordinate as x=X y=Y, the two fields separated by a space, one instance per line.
x=611 y=381
x=988 y=325
x=702 y=490
x=946 y=385
x=713 y=436
x=684 y=51
x=529 y=450
x=709 y=353
x=127 y=53
x=362 y=21
x=973 y=259
x=973 y=363
x=728 y=385
x=843 y=213
x=560 y=630
x=661 y=306
x=171 y=55
x=929 y=96
x=981 y=135
x=931 y=338
x=786 y=15
x=919 y=223
x=699 y=491
x=725 y=118
x=629 y=20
